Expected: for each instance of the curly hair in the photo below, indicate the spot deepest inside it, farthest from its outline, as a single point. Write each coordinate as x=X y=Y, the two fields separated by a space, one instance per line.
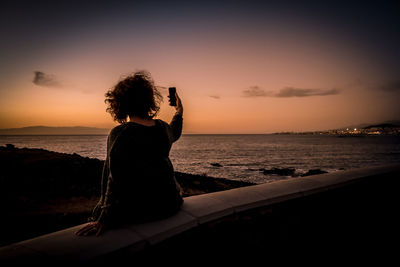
x=136 y=95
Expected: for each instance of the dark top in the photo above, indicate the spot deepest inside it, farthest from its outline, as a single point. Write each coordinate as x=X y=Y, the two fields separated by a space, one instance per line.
x=138 y=182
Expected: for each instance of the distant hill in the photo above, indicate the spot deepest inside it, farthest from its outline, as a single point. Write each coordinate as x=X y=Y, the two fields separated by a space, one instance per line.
x=383 y=125
x=393 y=123
x=45 y=130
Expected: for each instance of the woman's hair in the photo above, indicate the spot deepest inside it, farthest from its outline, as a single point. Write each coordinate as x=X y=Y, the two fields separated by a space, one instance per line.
x=136 y=95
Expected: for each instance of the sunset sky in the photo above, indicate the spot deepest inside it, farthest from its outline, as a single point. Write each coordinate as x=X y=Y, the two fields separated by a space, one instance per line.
x=239 y=66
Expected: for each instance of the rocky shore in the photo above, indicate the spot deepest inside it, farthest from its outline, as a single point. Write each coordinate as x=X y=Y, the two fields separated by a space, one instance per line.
x=43 y=191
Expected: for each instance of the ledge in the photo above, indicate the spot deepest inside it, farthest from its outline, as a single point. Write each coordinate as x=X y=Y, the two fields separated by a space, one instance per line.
x=195 y=211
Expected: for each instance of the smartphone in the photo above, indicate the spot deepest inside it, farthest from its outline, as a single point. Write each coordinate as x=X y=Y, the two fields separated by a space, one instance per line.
x=172 y=97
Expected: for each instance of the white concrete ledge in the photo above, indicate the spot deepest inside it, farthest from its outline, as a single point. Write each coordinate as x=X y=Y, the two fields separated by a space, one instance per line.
x=196 y=210
x=154 y=232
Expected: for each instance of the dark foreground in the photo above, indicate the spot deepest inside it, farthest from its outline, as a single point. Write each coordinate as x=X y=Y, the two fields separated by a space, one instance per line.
x=354 y=224
x=43 y=191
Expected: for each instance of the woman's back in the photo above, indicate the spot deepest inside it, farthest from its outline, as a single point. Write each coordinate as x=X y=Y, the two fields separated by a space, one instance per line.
x=139 y=175
x=141 y=169
x=138 y=182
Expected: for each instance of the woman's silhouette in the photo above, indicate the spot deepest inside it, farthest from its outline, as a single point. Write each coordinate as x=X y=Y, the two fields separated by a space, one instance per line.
x=138 y=182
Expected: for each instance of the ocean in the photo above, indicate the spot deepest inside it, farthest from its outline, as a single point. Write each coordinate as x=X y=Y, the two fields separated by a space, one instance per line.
x=243 y=157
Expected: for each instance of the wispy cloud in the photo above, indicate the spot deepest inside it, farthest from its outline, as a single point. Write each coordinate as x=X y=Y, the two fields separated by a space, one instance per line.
x=300 y=92
x=256 y=91
x=215 y=96
x=43 y=79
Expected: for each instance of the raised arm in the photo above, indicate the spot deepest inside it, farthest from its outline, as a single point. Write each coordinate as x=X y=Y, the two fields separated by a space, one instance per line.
x=176 y=123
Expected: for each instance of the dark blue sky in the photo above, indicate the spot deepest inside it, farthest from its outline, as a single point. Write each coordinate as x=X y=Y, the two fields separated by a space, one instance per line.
x=375 y=24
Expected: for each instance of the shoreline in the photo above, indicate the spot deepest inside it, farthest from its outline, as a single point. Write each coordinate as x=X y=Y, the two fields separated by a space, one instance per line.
x=43 y=191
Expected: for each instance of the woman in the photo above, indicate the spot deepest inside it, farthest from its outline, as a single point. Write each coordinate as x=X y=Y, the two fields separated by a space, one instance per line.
x=138 y=182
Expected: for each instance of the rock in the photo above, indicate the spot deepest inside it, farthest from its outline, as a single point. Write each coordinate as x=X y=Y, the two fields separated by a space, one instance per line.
x=279 y=171
x=314 y=172
x=10 y=146
x=193 y=184
x=216 y=165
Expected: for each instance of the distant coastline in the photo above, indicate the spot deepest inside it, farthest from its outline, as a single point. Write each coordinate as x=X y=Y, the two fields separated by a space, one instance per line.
x=47 y=130
x=386 y=128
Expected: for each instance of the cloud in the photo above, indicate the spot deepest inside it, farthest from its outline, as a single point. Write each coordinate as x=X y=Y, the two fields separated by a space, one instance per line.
x=299 y=92
x=215 y=96
x=47 y=80
x=256 y=91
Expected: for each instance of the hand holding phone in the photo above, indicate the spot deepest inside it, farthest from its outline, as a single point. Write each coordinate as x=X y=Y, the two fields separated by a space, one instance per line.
x=172 y=96
x=174 y=100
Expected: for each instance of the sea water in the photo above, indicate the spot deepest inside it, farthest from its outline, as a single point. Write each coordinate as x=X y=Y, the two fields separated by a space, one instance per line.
x=243 y=157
